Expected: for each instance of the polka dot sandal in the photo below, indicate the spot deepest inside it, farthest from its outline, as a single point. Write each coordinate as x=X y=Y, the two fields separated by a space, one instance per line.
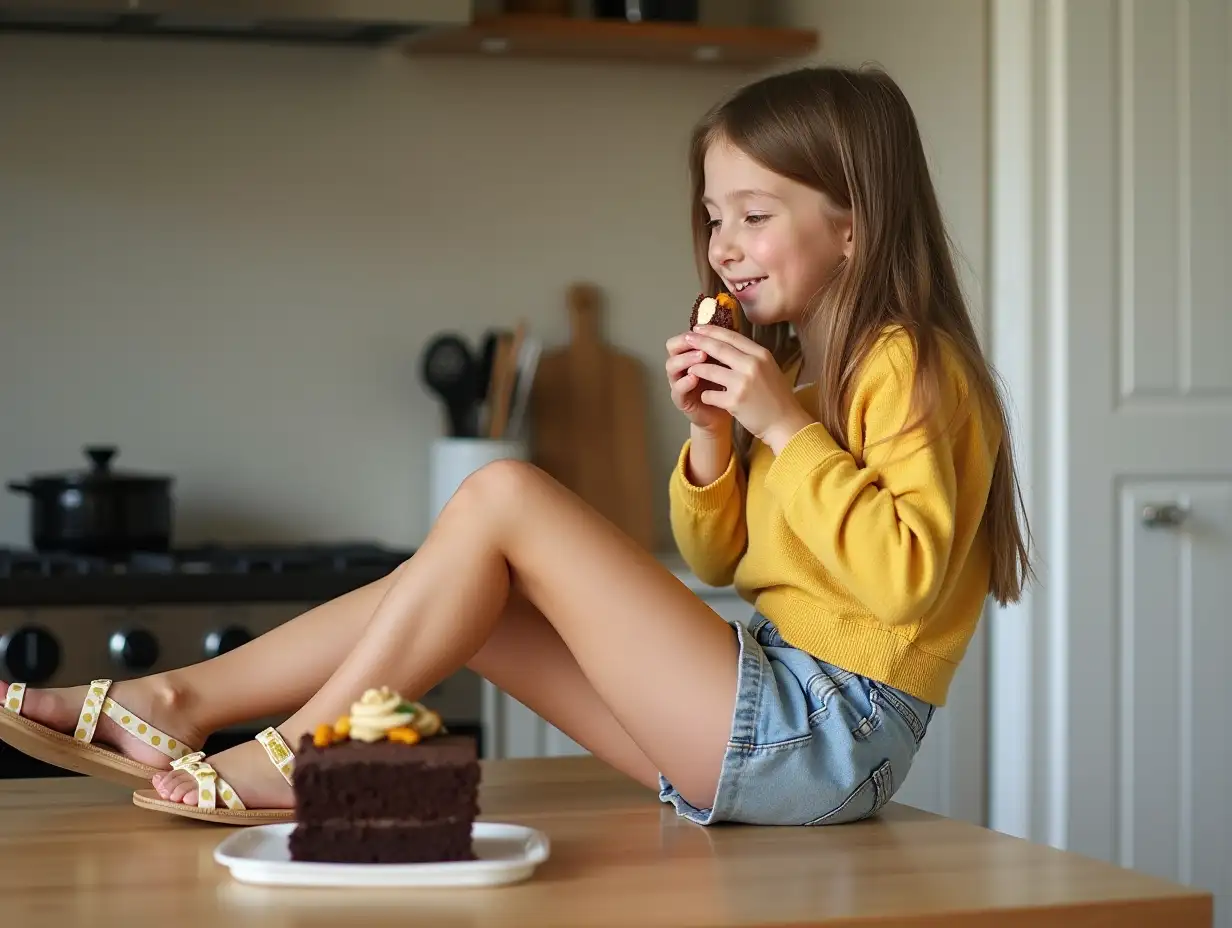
x=76 y=752
x=212 y=789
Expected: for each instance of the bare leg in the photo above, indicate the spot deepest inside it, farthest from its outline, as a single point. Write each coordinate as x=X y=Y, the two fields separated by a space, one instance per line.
x=526 y=657
x=659 y=659
x=252 y=681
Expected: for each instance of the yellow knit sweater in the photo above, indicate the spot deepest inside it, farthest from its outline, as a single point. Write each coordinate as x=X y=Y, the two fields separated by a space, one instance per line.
x=872 y=560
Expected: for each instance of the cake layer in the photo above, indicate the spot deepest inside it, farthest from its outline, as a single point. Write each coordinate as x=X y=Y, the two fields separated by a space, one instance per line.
x=435 y=779
x=363 y=843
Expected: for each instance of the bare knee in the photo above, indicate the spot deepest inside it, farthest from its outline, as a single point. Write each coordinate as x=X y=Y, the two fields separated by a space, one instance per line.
x=499 y=480
x=495 y=489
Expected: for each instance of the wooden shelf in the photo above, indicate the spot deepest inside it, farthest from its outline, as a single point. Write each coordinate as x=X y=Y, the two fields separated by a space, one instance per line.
x=532 y=36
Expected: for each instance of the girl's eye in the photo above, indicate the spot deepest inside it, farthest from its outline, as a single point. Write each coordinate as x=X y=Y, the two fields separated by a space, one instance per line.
x=712 y=224
x=755 y=218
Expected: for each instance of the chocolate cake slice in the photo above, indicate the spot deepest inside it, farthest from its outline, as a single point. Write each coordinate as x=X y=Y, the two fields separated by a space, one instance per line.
x=398 y=798
x=721 y=310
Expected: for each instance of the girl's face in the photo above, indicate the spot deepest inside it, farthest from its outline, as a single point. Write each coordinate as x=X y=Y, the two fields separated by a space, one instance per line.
x=773 y=241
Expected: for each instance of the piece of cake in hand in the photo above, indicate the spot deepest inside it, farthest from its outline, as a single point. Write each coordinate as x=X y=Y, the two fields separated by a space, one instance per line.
x=385 y=785
x=722 y=310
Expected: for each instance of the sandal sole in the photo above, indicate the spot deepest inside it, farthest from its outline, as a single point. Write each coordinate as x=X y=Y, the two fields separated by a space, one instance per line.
x=59 y=750
x=149 y=800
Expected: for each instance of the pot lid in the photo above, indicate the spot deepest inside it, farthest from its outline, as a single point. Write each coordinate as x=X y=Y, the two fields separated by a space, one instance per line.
x=100 y=472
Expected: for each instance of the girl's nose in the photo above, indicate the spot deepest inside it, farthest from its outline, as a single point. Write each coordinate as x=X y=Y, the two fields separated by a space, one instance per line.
x=723 y=247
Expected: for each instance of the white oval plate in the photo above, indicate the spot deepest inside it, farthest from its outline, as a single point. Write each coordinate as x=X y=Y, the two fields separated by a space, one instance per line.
x=506 y=854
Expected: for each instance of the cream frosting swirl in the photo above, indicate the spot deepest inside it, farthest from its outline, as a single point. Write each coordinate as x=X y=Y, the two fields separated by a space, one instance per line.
x=376 y=713
x=426 y=722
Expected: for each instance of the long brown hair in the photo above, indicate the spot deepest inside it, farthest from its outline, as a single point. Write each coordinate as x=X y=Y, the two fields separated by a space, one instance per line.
x=852 y=135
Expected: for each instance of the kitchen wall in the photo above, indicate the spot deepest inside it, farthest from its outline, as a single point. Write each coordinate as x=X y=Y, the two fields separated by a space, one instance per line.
x=225 y=260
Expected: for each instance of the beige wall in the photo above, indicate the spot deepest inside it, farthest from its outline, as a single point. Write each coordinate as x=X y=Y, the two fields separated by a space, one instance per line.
x=225 y=260
x=937 y=51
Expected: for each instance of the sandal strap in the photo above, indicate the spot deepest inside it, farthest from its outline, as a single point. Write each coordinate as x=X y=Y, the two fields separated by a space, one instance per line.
x=13 y=697
x=209 y=784
x=91 y=709
x=97 y=699
x=279 y=754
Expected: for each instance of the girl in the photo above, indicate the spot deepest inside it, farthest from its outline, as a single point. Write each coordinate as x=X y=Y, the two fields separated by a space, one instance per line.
x=848 y=468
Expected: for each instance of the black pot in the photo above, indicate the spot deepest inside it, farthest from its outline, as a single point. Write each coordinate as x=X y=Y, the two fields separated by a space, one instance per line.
x=99 y=511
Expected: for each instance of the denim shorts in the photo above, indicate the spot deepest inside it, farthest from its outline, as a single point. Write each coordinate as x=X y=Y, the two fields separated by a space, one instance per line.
x=810 y=743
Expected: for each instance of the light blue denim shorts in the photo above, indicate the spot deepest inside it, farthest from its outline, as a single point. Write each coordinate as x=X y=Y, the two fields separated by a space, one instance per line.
x=810 y=743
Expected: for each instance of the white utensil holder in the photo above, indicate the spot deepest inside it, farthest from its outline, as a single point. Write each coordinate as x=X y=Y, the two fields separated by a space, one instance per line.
x=455 y=459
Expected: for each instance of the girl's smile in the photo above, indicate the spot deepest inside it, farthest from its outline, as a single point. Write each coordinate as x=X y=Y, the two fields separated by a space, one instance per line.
x=745 y=288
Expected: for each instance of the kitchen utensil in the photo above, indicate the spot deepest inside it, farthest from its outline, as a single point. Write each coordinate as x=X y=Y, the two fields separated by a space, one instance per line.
x=588 y=421
x=528 y=364
x=487 y=359
x=449 y=368
x=99 y=511
x=503 y=379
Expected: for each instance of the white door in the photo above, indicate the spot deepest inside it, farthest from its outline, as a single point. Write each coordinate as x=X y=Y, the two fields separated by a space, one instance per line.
x=1114 y=140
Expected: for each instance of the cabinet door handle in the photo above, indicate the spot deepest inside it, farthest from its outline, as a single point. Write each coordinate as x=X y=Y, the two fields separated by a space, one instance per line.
x=1163 y=515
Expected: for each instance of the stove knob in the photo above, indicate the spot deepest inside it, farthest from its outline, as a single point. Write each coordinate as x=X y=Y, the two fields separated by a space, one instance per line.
x=135 y=649
x=30 y=654
x=226 y=640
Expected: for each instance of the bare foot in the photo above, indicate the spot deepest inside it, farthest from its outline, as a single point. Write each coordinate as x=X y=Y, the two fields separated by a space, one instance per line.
x=154 y=701
x=246 y=768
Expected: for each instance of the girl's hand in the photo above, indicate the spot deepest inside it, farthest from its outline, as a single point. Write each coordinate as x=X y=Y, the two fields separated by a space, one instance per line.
x=686 y=387
x=755 y=390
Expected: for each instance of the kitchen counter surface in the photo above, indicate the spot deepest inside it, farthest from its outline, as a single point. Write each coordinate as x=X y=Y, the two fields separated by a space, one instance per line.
x=76 y=851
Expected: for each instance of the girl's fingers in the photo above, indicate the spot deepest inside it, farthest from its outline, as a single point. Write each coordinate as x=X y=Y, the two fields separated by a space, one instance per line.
x=683 y=387
x=741 y=343
x=721 y=351
x=677 y=344
x=715 y=373
x=681 y=362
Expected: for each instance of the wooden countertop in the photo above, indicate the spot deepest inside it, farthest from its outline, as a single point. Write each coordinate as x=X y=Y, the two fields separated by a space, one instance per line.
x=76 y=851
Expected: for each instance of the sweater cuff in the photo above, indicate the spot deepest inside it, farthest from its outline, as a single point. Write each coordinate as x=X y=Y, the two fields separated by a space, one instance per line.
x=710 y=498
x=806 y=451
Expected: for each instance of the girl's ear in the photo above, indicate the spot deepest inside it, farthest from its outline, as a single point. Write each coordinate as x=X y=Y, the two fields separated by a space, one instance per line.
x=846 y=227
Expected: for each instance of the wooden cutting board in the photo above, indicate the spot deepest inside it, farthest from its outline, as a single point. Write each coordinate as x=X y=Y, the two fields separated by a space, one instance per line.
x=589 y=421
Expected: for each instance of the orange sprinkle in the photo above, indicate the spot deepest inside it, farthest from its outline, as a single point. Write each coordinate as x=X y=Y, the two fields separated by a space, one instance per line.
x=342 y=727
x=726 y=300
x=403 y=735
x=323 y=736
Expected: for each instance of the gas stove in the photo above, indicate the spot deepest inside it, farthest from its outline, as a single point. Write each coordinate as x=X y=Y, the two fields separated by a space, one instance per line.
x=205 y=573
x=68 y=619
x=209 y=558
